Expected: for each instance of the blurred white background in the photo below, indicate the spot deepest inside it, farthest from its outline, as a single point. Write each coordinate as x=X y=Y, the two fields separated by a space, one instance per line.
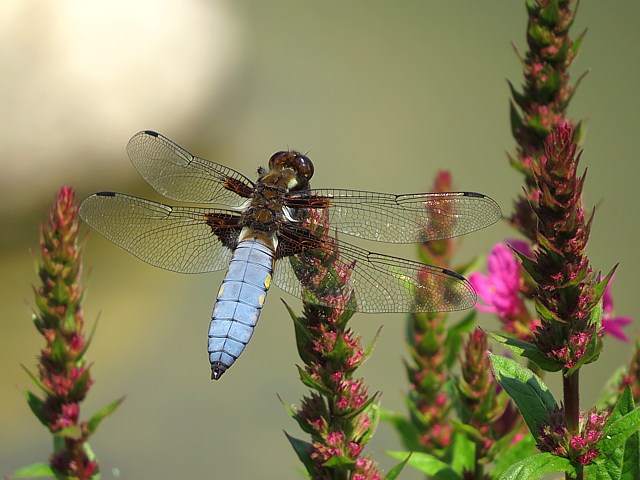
x=382 y=95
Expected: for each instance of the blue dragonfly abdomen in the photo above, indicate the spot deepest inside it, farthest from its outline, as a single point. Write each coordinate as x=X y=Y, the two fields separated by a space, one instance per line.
x=239 y=303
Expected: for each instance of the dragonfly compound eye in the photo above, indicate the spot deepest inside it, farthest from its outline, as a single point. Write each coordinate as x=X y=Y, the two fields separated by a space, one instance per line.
x=301 y=164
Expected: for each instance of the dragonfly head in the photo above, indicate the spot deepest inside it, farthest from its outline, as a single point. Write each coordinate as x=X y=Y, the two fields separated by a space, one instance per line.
x=297 y=165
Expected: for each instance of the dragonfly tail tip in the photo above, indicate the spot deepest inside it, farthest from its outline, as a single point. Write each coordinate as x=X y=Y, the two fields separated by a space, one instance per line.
x=217 y=369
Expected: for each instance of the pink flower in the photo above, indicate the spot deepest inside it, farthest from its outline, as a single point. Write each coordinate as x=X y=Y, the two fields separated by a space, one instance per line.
x=613 y=325
x=499 y=289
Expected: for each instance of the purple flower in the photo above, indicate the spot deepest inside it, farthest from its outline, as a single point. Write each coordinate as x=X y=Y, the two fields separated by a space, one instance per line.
x=499 y=289
x=613 y=325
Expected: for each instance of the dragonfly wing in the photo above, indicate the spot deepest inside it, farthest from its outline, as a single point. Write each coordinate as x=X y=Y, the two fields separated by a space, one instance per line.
x=181 y=239
x=381 y=283
x=408 y=218
x=176 y=174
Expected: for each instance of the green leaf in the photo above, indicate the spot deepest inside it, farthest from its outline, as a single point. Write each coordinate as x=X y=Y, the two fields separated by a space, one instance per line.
x=37 y=381
x=519 y=98
x=36 y=470
x=516 y=119
x=340 y=462
x=302 y=449
x=369 y=350
x=536 y=466
x=373 y=413
x=550 y=14
x=528 y=391
x=37 y=407
x=79 y=388
x=530 y=266
x=508 y=454
x=101 y=414
x=623 y=462
x=427 y=464
x=463 y=451
x=395 y=471
x=527 y=350
x=89 y=339
x=406 y=430
x=575 y=46
x=302 y=335
x=311 y=383
x=58 y=351
x=595 y=315
x=466 y=429
x=598 y=292
x=72 y=432
x=618 y=431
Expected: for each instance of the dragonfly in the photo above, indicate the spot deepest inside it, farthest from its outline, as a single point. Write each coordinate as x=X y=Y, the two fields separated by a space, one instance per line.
x=257 y=228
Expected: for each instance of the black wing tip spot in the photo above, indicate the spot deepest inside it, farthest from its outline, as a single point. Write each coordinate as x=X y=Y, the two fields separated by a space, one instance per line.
x=152 y=133
x=217 y=369
x=105 y=194
x=454 y=274
x=474 y=195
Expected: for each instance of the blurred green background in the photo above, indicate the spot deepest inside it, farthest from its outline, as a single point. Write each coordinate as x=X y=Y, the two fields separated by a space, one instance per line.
x=381 y=94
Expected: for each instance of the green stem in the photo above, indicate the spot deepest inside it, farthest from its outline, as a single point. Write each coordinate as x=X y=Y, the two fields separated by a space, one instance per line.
x=479 y=473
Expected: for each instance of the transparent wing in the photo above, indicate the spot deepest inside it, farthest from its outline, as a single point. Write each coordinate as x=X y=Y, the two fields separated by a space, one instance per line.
x=409 y=218
x=176 y=174
x=382 y=283
x=180 y=239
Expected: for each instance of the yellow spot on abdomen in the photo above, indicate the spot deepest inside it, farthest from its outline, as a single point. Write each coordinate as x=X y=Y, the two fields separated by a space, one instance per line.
x=267 y=281
x=261 y=300
x=221 y=290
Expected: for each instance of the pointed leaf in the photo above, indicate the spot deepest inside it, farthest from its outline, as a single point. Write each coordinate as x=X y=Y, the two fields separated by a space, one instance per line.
x=427 y=464
x=623 y=462
x=79 y=388
x=536 y=466
x=37 y=407
x=302 y=449
x=466 y=429
x=520 y=99
x=527 y=350
x=516 y=119
x=602 y=285
x=545 y=313
x=36 y=470
x=311 y=383
x=528 y=391
x=369 y=350
x=395 y=471
x=550 y=14
x=58 y=351
x=37 y=381
x=89 y=339
x=101 y=414
x=463 y=451
x=373 y=413
x=302 y=335
x=618 y=431
x=575 y=46
x=529 y=265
